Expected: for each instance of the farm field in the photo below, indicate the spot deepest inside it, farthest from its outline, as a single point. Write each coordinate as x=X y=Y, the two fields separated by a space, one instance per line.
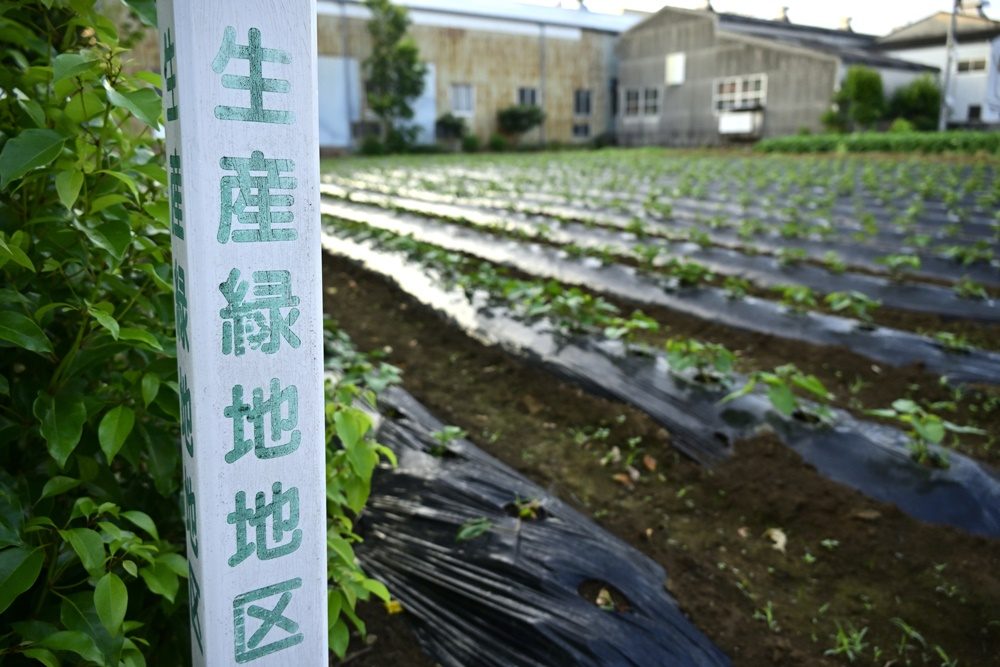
x=775 y=376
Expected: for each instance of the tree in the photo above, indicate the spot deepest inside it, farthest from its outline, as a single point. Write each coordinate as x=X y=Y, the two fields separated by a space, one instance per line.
x=393 y=71
x=860 y=101
x=918 y=102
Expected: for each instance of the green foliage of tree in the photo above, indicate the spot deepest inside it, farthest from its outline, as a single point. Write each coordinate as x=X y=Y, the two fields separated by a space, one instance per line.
x=394 y=73
x=516 y=120
x=860 y=102
x=918 y=102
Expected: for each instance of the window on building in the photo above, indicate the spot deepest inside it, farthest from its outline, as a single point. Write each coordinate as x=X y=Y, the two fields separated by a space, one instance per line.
x=651 y=101
x=581 y=102
x=975 y=113
x=739 y=92
x=631 y=102
x=527 y=97
x=462 y=99
x=581 y=130
x=676 y=63
x=973 y=65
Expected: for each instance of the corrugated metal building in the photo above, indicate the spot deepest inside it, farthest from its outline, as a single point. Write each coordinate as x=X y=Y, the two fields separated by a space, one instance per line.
x=482 y=56
x=695 y=77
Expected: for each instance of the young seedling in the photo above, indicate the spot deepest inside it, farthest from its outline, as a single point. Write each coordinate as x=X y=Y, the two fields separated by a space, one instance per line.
x=781 y=384
x=952 y=342
x=473 y=528
x=898 y=265
x=736 y=287
x=848 y=642
x=797 y=298
x=443 y=438
x=970 y=289
x=854 y=303
x=713 y=363
x=926 y=430
x=833 y=262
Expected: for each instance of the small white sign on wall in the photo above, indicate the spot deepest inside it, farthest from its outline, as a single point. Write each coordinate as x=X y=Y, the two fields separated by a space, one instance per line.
x=239 y=92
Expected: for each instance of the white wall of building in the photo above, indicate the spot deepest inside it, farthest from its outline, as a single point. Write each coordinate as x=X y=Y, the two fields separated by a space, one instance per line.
x=967 y=88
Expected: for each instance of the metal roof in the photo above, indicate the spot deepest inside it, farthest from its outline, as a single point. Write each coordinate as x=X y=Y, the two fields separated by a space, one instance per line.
x=508 y=10
x=934 y=29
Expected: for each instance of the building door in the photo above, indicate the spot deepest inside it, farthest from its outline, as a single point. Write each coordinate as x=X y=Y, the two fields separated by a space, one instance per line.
x=339 y=100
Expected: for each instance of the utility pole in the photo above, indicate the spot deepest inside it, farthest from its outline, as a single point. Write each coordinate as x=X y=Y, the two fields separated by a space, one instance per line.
x=950 y=49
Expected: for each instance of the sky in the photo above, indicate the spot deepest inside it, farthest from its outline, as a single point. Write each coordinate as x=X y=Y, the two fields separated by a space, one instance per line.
x=871 y=16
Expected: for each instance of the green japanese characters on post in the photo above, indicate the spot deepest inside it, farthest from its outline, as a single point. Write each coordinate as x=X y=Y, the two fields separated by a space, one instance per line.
x=170 y=75
x=190 y=516
x=253 y=198
x=259 y=321
x=275 y=525
x=256 y=83
x=187 y=416
x=194 y=607
x=267 y=443
x=181 y=307
x=176 y=199
x=272 y=621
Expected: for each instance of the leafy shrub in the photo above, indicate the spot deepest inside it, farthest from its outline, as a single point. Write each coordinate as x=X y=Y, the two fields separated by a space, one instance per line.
x=498 y=143
x=918 y=102
x=91 y=531
x=901 y=125
x=516 y=120
x=372 y=146
x=450 y=126
x=470 y=144
x=91 y=523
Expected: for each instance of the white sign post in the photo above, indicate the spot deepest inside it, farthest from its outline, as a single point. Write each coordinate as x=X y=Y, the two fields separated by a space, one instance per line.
x=239 y=89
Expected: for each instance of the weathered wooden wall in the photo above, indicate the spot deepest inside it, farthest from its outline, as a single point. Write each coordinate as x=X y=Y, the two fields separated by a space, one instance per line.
x=800 y=82
x=496 y=65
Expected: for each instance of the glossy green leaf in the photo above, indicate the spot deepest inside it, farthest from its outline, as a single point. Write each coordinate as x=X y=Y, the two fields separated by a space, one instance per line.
x=61 y=420
x=144 y=104
x=114 y=236
x=58 y=485
x=12 y=251
x=19 y=568
x=74 y=641
x=145 y=9
x=23 y=332
x=150 y=387
x=782 y=399
x=142 y=520
x=106 y=320
x=140 y=336
x=42 y=655
x=115 y=427
x=161 y=580
x=111 y=601
x=66 y=65
x=34 y=111
x=68 y=185
x=340 y=636
x=351 y=424
x=28 y=150
x=89 y=547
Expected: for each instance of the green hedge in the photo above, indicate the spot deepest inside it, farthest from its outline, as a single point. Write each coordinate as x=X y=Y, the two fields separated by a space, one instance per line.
x=889 y=142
